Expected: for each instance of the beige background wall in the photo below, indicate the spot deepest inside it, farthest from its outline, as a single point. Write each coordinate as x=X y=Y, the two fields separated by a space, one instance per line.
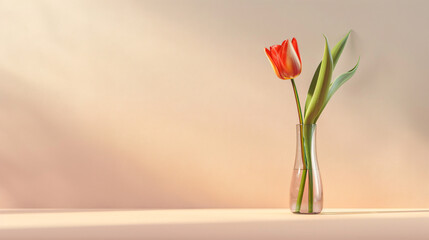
x=168 y=104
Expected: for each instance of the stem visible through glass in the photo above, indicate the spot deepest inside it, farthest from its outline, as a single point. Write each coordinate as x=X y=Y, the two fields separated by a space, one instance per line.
x=308 y=138
x=304 y=173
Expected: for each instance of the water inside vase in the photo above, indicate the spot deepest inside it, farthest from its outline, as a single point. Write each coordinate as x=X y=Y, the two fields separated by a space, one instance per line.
x=317 y=191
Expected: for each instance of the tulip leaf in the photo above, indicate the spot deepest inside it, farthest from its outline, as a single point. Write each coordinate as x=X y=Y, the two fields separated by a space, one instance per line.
x=337 y=84
x=336 y=53
x=311 y=88
x=322 y=86
x=338 y=49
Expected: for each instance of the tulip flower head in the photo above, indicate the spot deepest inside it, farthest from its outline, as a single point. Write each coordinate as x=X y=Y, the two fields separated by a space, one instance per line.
x=285 y=59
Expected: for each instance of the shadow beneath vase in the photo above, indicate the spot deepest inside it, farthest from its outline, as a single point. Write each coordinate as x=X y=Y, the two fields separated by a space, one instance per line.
x=375 y=211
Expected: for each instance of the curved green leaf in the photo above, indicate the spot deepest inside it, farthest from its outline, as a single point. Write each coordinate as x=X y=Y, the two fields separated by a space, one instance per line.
x=336 y=53
x=338 y=83
x=322 y=86
x=311 y=88
x=338 y=49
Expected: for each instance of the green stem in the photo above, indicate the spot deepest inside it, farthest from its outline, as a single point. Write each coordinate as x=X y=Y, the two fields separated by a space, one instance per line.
x=301 y=190
x=308 y=139
x=304 y=173
x=310 y=191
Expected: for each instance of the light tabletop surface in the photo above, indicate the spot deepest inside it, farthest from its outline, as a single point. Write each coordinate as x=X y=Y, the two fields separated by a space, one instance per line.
x=263 y=224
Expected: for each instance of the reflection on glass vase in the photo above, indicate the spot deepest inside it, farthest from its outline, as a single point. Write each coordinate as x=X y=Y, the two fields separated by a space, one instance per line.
x=306 y=195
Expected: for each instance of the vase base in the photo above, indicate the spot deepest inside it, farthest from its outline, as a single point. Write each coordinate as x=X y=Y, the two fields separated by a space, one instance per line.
x=304 y=213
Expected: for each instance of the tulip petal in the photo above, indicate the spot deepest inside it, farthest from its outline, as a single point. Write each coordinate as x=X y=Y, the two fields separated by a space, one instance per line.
x=295 y=46
x=284 y=48
x=292 y=63
x=282 y=57
x=273 y=64
x=275 y=55
x=275 y=50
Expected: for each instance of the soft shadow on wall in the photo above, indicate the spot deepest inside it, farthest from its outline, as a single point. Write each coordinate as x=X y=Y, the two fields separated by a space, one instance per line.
x=162 y=105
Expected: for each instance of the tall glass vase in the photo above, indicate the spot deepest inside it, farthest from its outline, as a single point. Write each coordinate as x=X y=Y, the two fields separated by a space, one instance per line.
x=306 y=195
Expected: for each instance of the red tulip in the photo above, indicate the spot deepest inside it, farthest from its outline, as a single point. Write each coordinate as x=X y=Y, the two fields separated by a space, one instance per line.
x=285 y=59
